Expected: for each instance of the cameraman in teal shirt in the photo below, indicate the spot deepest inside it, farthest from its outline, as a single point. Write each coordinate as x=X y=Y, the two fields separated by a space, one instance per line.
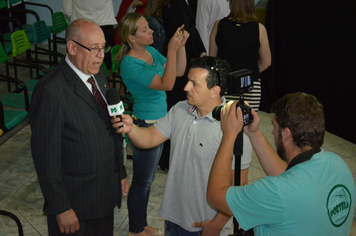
x=308 y=191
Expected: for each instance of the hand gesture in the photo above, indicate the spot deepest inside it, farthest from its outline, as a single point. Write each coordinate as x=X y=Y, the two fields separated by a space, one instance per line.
x=125 y=186
x=231 y=119
x=209 y=229
x=123 y=124
x=68 y=222
x=185 y=37
x=253 y=127
x=176 y=41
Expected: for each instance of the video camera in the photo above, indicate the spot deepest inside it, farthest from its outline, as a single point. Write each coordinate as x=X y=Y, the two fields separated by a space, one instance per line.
x=238 y=82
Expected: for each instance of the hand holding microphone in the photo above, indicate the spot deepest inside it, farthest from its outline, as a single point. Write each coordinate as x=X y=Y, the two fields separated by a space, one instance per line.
x=115 y=105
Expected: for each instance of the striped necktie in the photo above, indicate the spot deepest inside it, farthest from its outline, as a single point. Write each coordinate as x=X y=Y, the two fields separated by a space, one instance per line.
x=97 y=95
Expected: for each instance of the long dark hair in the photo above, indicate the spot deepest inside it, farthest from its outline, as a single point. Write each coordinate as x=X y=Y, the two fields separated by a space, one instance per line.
x=166 y=3
x=153 y=8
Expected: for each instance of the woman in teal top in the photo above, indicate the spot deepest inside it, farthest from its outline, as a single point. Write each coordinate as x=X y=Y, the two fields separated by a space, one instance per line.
x=150 y=104
x=147 y=75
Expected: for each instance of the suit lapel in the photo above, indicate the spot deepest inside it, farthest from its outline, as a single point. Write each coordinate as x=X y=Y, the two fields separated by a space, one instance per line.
x=82 y=90
x=188 y=9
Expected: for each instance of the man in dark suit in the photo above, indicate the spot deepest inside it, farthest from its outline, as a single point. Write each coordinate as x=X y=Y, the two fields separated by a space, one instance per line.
x=76 y=152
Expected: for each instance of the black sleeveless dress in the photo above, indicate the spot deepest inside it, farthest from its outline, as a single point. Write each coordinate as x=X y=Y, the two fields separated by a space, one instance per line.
x=239 y=45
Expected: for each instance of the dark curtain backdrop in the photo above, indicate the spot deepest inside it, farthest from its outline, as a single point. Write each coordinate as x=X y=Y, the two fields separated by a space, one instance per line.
x=313 y=45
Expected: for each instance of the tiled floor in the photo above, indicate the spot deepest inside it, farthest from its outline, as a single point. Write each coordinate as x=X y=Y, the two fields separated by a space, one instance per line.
x=21 y=195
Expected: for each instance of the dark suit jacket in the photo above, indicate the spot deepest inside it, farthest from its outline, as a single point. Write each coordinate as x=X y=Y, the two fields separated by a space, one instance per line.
x=76 y=152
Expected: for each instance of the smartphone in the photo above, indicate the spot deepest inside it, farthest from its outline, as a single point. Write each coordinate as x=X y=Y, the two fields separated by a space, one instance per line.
x=182 y=29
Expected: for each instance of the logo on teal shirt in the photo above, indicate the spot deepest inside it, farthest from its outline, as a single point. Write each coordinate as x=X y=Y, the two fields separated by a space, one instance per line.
x=339 y=205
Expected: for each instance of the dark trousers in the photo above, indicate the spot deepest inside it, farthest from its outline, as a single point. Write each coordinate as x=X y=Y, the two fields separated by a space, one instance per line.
x=95 y=227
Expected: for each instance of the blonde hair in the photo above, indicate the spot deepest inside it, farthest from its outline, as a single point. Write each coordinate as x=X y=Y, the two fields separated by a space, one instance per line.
x=127 y=26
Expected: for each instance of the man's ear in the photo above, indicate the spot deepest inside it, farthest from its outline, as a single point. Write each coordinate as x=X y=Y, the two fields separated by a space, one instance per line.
x=215 y=91
x=287 y=135
x=72 y=48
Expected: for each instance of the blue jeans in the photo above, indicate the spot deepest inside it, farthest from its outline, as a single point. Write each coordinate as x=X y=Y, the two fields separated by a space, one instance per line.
x=145 y=162
x=171 y=229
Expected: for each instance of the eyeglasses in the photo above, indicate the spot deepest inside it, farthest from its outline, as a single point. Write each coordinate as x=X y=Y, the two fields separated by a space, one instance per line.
x=211 y=62
x=94 y=50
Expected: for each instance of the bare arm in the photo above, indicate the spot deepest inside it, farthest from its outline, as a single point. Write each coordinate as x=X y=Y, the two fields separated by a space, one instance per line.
x=213 y=227
x=220 y=174
x=213 y=48
x=181 y=56
x=264 y=52
x=271 y=163
x=166 y=82
x=141 y=137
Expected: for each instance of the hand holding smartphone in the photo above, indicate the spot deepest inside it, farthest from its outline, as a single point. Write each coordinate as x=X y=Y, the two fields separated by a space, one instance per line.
x=182 y=29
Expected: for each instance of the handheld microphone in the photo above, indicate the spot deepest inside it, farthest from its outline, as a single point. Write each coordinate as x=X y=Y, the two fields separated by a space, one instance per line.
x=115 y=105
x=116 y=108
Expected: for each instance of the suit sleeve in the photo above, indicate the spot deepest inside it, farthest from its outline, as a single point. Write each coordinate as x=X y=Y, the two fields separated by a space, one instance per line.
x=47 y=124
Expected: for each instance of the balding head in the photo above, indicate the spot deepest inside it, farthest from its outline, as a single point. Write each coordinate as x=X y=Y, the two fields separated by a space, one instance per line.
x=78 y=28
x=83 y=37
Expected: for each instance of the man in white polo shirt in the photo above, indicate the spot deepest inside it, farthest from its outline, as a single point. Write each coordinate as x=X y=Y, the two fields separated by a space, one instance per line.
x=195 y=137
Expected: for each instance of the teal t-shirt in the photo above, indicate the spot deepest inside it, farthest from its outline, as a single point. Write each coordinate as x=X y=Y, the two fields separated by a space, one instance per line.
x=316 y=197
x=149 y=104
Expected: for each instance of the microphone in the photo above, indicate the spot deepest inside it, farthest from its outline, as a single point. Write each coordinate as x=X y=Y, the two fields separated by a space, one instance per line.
x=115 y=105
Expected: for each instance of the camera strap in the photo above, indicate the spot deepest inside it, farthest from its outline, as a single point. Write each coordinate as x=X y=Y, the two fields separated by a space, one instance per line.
x=305 y=156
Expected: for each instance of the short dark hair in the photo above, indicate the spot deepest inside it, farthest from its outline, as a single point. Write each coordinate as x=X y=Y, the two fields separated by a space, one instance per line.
x=304 y=116
x=220 y=68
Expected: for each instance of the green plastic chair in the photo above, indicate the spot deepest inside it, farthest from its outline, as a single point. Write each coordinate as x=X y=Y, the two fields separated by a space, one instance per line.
x=16 y=98
x=114 y=51
x=59 y=22
x=59 y=25
x=105 y=68
x=27 y=27
x=15 y=23
x=19 y=10
x=19 y=42
x=42 y=34
x=10 y=118
x=20 y=45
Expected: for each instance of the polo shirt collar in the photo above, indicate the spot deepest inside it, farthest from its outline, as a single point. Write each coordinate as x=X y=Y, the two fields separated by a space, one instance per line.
x=193 y=110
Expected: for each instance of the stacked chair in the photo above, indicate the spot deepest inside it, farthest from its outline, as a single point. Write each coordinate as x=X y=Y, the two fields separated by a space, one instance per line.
x=15 y=218
x=17 y=99
x=59 y=25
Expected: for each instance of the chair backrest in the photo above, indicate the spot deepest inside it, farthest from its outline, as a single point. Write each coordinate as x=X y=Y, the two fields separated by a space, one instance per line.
x=114 y=51
x=2 y=119
x=19 y=42
x=3 y=4
x=3 y=55
x=14 y=2
x=105 y=68
x=59 y=22
x=41 y=32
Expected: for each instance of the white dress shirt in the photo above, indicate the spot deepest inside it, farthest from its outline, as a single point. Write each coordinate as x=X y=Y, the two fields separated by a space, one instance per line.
x=101 y=12
x=208 y=12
